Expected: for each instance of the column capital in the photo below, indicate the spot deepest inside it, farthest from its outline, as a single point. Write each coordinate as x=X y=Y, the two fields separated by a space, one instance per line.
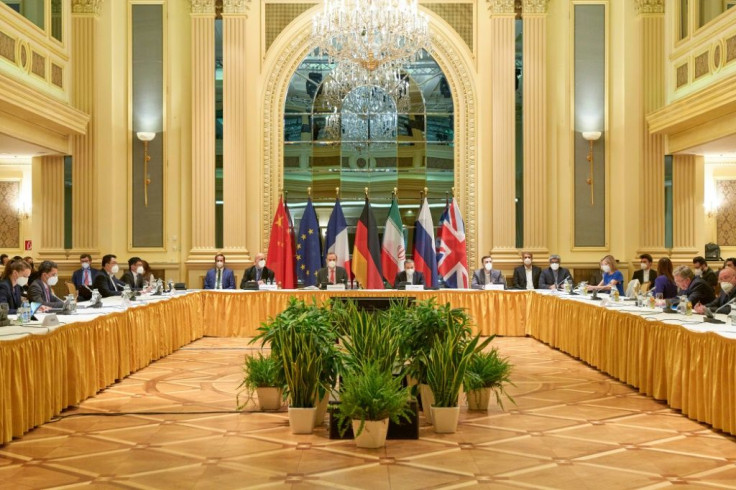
x=649 y=6
x=501 y=7
x=535 y=6
x=86 y=7
x=235 y=7
x=202 y=6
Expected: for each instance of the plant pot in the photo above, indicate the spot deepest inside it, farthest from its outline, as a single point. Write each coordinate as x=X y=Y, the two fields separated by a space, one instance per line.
x=478 y=399
x=301 y=420
x=269 y=397
x=445 y=419
x=319 y=414
x=427 y=400
x=373 y=434
x=403 y=430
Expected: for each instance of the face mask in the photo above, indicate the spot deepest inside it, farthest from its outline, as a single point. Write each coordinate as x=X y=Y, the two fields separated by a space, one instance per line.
x=140 y=270
x=331 y=264
x=115 y=269
x=409 y=272
x=261 y=264
x=554 y=266
x=527 y=261
x=220 y=264
x=726 y=287
x=488 y=266
x=52 y=281
x=644 y=266
x=85 y=265
x=698 y=272
x=606 y=268
x=21 y=281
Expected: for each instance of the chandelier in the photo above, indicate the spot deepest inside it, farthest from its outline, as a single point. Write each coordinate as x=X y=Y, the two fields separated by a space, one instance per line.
x=368 y=120
x=345 y=77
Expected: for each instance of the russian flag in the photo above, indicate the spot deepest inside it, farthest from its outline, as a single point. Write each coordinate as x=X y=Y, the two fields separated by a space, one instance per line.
x=425 y=260
x=337 y=238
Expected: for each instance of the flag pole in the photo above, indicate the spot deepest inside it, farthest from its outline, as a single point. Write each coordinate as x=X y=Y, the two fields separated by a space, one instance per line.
x=285 y=194
x=309 y=192
x=366 y=193
x=337 y=192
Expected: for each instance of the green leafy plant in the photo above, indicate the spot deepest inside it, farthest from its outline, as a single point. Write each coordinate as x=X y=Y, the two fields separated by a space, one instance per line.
x=302 y=364
x=259 y=372
x=489 y=370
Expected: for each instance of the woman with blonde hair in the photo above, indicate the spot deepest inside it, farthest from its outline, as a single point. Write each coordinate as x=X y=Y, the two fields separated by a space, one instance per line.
x=612 y=277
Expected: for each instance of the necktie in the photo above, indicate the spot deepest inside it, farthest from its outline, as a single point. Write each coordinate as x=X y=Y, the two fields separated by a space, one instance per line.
x=555 y=274
x=114 y=286
x=218 y=285
x=86 y=277
x=258 y=274
x=48 y=295
x=332 y=276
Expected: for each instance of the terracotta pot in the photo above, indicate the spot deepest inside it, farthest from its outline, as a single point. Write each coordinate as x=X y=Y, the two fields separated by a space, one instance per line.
x=301 y=420
x=319 y=414
x=445 y=419
x=373 y=434
x=427 y=400
x=269 y=397
x=479 y=399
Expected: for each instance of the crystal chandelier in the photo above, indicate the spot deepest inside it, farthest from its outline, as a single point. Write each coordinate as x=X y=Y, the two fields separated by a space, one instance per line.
x=347 y=76
x=368 y=119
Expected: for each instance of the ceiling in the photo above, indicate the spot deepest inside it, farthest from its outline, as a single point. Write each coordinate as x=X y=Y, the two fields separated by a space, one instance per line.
x=14 y=148
x=721 y=148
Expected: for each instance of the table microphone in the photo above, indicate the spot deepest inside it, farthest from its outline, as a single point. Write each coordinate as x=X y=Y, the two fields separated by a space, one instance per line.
x=727 y=304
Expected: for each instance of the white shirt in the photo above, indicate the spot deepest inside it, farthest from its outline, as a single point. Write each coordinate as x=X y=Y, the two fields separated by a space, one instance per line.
x=645 y=275
x=529 y=278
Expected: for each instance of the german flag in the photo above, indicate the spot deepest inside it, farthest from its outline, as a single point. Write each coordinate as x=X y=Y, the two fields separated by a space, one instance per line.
x=367 y=251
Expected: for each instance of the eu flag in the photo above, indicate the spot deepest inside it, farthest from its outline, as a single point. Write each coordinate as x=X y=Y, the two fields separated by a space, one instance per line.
x=308 y=247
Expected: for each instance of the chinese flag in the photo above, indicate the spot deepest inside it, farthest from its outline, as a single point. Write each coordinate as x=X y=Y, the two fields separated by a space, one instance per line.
x=281 y=248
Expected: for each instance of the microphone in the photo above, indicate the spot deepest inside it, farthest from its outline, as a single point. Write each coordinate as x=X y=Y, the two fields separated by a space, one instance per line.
x=727 y=304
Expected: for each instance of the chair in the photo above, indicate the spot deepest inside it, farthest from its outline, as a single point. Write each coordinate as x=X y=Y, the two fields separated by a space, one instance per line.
x=71 y=288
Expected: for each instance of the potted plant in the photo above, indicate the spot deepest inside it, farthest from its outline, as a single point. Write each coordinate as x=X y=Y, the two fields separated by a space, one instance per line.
x=264 y=376
x=446 y=364
x=370 y=397
x=487 y=373
x=302 y=364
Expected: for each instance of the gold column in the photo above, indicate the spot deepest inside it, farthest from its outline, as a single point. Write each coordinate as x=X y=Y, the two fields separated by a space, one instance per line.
x=85 y=235
x=503 y=139
x=235 y=120
x=651 y=169
x=52 y=206
x=535 y=127
x=203 y=131
x=687 y=202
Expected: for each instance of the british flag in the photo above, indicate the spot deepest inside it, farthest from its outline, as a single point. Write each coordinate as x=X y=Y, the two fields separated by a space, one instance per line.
x=452 y=258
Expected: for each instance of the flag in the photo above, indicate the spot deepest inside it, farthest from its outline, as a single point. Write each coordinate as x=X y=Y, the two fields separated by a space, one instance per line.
x=337 y=238
x=367 y=251
x=452 y=259
x=281 y=248
x=393 y=251
x=425 y=260
x=308 y=247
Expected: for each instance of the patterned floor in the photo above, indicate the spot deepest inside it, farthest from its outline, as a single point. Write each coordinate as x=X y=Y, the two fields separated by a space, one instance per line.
x=573 y=428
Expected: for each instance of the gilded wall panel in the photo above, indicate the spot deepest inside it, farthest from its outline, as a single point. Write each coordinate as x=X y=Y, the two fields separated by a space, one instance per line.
x=701 y=65
x=730 y=49
x=682 y=75
x=7 y=47
x=57 y=75
x=459 y=16
x=38 y=65
x=9 y=223
x=280 y=15
x=726 y=221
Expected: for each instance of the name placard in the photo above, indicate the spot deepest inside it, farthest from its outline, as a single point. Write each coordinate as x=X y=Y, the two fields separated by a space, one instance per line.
x=494 y=287
x=335 y=287
x=415 y=287
x=268 y=287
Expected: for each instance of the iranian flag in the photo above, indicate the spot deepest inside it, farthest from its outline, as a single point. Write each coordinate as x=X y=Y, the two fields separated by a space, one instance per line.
x=393 y=252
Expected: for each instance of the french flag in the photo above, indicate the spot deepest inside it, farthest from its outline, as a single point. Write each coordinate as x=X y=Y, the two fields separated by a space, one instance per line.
x=425 y=260
x=337 y=238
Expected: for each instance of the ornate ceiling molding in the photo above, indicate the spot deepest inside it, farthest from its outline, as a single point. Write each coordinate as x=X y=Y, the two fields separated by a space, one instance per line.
x=501 y=7
x=535 y=6
x=649 y=6
x=235 y=7
x=86 y=7
x=202 y=6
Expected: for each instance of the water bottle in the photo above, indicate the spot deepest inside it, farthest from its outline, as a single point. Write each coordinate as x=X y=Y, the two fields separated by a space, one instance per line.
x=688 y=308
x=25 y=312
x=614 y=294
x=652 y=301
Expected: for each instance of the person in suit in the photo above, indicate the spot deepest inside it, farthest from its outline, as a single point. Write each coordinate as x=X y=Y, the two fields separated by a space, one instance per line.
x=41 y=290
x=84 y=276
x=645 y=275
x=701 y=269
x=727 y=280
x=527 y=276
x=14 y=277
x=106 y=282
x=487 y=275
x=219 y=277
x=730 y=262
x=695 y=288
x=332 y=274
x=409 y=275
x=258 y=272
x=134 y=276
x=554 y=276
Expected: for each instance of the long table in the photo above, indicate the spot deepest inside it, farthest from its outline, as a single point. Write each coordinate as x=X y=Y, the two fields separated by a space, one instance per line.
x=43 y=371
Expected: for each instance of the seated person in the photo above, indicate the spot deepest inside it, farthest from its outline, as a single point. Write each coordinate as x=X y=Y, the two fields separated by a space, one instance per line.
x=14 y=277
x=612 y=277
x=730 y=262
x=86 y=275
x=134 y=276
x=258 y=272
x=487 y=275
x=219 y=277
x=147 y=273
x=4 y=260
x=554 y=276
x=409 y=275
x=106 y=282
x=332 y=274
x=701 y=269
x=645 y=275
x=34 y=272
x=40 y=290
x=664 y=284
x=727 y=280
x=527 y=276
x=695 y=288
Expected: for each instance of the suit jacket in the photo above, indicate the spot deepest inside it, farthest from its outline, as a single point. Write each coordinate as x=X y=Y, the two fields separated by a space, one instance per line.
x=228 y=279
x=418 y=278
x=11 y=295
x=78 y=277
x=37 y=294
x=710 y=277
x=479 y=278
x=341 y=276
x=639 y=276
x=699 y=291
x=547 y=277
x=103 y=284
x=520 y=277
x=250 y=275
x=722 y=300
x=133 y=281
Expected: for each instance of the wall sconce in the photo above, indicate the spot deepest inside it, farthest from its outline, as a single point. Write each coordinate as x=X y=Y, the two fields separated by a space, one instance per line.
x=591 y=137
x=23 y=207
x=145 y=137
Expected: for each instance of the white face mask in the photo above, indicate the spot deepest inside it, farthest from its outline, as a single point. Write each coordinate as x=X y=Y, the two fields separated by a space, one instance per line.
x=409 y=272
x=488 y=266
x=140 y=270
x=115 y=269
x=726 y=287
x=21 y=281
x=261 y=264
x=527 y=261
x=698 y=272
x=554 y=266
x=51 y=281
x=644 y=266
x=331 y=264
x=220 y=264
x=606 y=268
x=85 y=265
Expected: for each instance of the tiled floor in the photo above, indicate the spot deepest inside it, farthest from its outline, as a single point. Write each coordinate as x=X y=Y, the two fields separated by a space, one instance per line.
x=573 y=427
